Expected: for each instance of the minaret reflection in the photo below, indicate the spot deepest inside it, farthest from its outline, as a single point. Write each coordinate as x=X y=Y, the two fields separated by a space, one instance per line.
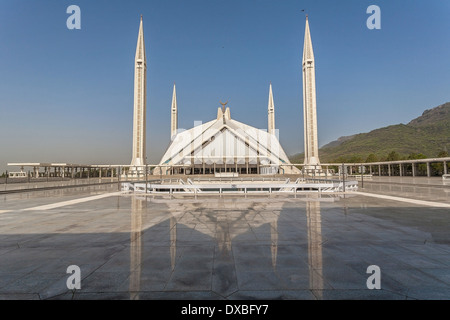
x=314 y=223
x=173 y=241
x=137 y=207
x=223 y=237
x=274 y=242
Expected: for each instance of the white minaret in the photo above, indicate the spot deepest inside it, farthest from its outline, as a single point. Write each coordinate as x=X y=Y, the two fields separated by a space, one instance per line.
x=309 y=104
x=140 y=101
x=174 y=114
x=271 y=113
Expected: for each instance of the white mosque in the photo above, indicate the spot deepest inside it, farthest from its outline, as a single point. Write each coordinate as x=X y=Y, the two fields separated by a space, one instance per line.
x=224 y=145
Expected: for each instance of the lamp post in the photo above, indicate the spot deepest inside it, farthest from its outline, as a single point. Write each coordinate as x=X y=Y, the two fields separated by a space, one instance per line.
x=343 y=177
x=362 y=177
x=146 y=177
x=119 y=172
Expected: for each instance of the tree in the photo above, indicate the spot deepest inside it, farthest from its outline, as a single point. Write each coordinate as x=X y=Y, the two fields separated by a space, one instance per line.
x=393 y=156
x=340 y=159
x=371 y=158
x=414 y=156
x=421 y=167
x=356 y=159
x=439 y=167
x=442 y=154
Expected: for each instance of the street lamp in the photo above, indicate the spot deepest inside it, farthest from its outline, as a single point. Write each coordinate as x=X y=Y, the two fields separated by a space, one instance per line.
x=343 y=177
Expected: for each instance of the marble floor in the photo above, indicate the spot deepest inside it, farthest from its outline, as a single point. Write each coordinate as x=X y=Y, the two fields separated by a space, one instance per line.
x=231 y=247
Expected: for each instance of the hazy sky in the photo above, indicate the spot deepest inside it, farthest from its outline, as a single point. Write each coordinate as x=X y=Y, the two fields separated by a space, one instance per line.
x=67 y=95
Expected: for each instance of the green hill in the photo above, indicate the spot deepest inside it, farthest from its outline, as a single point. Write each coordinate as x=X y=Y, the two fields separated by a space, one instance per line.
x=428 y=135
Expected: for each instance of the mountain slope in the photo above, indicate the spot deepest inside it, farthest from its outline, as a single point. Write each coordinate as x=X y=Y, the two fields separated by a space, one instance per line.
x=428 y=134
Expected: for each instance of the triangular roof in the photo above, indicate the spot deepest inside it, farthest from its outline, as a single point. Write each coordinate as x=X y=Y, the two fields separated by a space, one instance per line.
x=224 y=140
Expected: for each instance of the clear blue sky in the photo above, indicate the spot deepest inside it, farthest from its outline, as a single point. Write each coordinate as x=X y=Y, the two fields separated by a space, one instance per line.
x=67 y=95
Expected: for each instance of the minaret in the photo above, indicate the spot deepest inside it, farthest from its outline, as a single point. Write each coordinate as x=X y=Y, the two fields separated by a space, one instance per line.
x=309 y=104
x=140 y=101
x=174 y=114
x=271 y=113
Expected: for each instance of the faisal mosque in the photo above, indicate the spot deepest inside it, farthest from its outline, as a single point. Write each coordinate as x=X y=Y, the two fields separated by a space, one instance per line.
x=224 y=145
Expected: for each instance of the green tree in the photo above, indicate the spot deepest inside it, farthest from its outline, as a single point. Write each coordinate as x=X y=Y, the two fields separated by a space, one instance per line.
x=414 y=156
x=439 y=167
x=340 y=159
x=442 y=154
x=356 y=159
x=371 y=158
x=421 y=167
x=393 y=156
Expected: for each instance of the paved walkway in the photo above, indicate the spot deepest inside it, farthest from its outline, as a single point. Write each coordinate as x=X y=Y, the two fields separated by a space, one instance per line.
x=419 y=188
x=232 y=247
x=53 y=183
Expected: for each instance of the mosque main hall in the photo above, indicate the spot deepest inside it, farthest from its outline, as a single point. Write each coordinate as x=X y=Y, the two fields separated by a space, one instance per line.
x=224 y=145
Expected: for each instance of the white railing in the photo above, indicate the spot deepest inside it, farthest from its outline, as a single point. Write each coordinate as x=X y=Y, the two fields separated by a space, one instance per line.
x=446 y=179
x=226 y=174
x=245 y=188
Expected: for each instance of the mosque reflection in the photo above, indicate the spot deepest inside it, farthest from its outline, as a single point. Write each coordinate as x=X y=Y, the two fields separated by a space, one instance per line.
x=224 y=222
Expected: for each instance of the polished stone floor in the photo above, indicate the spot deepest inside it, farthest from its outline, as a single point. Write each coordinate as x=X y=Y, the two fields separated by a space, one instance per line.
x=232 y=247
x=430 y=189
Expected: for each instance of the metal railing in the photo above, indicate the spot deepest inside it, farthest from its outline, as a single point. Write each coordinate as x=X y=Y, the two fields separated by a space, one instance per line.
x=240 y=187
